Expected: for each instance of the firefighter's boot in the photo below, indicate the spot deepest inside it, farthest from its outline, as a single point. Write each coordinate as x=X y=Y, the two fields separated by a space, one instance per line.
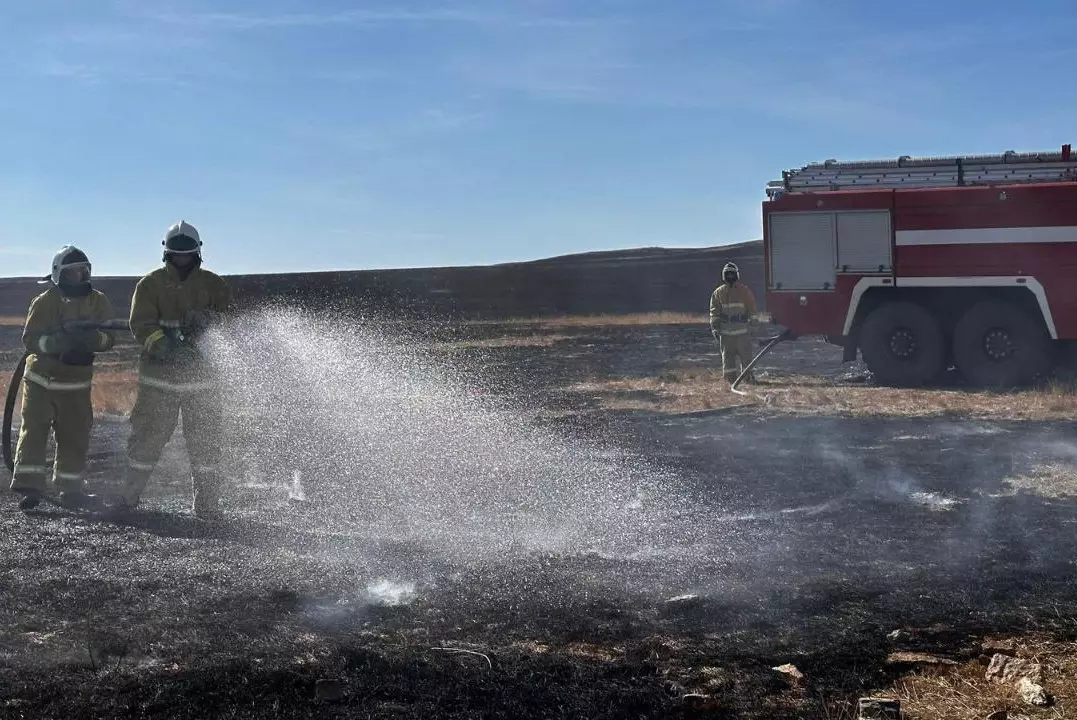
x=80 y=500
x=30 y=499
x=134 y=482
x=207 y=499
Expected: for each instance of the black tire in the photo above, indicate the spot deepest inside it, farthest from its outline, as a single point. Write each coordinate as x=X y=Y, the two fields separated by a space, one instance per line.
x=999 y=345
x=903 y=345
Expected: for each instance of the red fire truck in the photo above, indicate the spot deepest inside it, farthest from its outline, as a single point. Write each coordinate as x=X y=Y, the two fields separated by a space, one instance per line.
x=923 y=264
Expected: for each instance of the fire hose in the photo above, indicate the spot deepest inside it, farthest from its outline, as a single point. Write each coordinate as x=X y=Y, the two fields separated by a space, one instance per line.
x=20 y=368
x=785 y=335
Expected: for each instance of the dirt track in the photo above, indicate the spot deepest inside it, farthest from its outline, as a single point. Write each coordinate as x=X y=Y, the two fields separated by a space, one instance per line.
x=788 y=539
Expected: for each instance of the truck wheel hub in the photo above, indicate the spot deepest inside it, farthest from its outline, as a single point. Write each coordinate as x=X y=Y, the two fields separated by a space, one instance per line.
x=902 y=343
x=997 y=344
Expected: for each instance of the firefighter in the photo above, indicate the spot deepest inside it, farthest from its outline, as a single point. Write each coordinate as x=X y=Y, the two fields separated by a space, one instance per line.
x=732 y=311
x=172 y=307
x=57 y=382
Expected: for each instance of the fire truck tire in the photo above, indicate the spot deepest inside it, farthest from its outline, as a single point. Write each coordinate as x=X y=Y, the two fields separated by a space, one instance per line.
x=996 y=344
x=903 y=345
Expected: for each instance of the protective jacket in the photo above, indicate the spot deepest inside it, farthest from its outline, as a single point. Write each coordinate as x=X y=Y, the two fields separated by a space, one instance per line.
x=732 y=308
x=160 y=316
x=44 y=321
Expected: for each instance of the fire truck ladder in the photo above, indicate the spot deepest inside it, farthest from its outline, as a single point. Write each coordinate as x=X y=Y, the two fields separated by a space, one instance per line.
x=907 y=172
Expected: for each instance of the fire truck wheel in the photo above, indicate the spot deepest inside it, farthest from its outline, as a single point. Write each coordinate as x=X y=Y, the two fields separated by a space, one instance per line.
x=903 y=345
x=998 y=345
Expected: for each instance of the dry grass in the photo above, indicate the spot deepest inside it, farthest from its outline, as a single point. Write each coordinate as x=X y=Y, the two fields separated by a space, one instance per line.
x=655 y=318
x=682 y=391
x=113 y=390
x=962 y=691
x=507 y=341
x=1050 y=480
x=675 y=392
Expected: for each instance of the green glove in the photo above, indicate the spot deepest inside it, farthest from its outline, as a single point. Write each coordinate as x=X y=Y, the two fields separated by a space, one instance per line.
x=159 y=350
x=92 y=340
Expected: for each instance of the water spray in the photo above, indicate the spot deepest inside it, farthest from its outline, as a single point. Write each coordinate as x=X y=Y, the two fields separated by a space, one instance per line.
x=333 y=413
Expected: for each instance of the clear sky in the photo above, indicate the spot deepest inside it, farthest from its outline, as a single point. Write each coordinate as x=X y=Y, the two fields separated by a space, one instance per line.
x=333 y=135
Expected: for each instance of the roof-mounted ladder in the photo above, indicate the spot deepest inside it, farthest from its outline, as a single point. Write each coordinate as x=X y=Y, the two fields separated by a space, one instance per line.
x=907 y=172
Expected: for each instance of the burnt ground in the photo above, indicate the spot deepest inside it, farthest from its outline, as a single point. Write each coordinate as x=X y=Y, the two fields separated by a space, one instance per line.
x=781 y=539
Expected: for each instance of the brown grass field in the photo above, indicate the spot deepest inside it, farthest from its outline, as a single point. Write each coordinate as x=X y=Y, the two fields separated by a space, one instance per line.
x=961 y=690
x=696 y=390
x=597 y=321
x=679 y=390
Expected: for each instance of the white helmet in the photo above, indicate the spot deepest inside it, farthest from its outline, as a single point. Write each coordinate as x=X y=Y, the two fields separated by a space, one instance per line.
x=66 y=258
x=182 y=239
x=731 y=267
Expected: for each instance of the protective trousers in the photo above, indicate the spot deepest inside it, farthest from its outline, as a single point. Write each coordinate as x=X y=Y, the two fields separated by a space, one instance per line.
x=153 y=421
x=67 y=410
x=736 y=354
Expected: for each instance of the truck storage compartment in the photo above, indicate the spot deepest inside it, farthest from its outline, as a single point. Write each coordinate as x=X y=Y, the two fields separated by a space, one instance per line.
x=803 y=249
x=864 y=241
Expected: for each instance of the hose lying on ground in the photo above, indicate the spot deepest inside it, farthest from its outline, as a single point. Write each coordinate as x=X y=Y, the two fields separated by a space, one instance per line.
x=785 y=335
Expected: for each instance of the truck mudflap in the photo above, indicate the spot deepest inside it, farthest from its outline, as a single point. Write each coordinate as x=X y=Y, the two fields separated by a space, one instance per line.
x=848 y=350
x=847 y=344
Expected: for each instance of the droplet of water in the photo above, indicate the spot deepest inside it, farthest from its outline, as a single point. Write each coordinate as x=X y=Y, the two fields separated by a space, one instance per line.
x=296 y=491
x=389 y=592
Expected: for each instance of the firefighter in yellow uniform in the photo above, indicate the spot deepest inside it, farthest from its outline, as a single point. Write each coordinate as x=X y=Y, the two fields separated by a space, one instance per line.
x=57 y=382
x=172 y=307
x=732 y=312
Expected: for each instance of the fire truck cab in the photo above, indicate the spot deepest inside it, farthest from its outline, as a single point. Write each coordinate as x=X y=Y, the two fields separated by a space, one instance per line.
x=923 y=264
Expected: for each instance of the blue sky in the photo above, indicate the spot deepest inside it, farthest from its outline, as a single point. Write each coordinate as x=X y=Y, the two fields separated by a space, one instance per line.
x=333 y=135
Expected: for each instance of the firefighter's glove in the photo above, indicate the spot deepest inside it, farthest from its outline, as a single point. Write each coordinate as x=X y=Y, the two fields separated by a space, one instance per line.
x=77 y=356
x=91 y=340
x=78 y=347
x=158 y=346
x=56 y=343
x=167 y=348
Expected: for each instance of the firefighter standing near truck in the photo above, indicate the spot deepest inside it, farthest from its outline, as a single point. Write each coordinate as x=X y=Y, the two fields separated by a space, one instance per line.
x=732 y=311
x=57 y=382
x=171 y=309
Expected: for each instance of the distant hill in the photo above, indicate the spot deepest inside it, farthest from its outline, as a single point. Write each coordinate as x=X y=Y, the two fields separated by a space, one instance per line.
x=652 y=253
x=613 y=281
